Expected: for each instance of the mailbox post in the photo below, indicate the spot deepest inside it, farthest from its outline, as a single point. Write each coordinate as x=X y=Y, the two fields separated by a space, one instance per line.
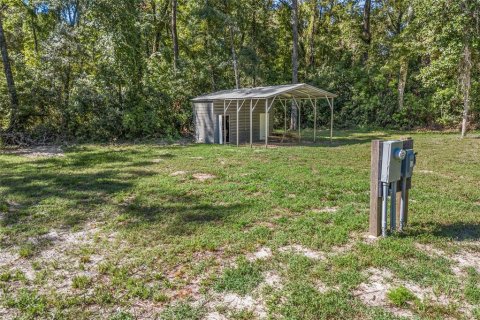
x=392 y=166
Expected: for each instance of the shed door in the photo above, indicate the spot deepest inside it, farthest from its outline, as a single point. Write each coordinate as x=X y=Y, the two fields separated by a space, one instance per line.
x=262 y=126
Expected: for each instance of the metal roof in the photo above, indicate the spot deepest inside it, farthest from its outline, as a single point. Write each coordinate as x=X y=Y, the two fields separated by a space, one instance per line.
x=300 y=90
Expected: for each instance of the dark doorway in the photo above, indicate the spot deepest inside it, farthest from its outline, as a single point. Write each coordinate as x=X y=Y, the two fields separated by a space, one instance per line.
x=227 y=128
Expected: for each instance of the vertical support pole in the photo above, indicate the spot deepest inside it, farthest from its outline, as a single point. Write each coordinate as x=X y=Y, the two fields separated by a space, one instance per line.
x=407 y=144
x=384 y=208
x=299 y=123
x=331 y=122
x=224 y=134
x=266 y=123
x=315 y=122
x=375 y=228
x=237 y=123
x=251 y=124
x=393 y=206
x=285 y=120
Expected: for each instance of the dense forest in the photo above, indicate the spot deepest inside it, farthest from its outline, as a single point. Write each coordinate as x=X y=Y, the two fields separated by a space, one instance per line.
x=105 y=70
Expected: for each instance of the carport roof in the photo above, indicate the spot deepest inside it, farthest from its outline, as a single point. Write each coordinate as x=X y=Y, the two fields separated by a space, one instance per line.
x=300 y=91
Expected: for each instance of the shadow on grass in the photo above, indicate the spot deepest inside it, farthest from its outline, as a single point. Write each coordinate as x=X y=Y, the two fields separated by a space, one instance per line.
x=323 y=139
x=181 y=215
x=457 y=231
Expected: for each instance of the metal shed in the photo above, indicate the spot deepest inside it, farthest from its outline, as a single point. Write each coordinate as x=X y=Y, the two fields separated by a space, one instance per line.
x=243 y=115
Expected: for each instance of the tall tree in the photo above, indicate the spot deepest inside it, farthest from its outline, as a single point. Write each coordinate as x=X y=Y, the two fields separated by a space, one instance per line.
x=14 y=125
x=294 y=112
x=175 y=34
x=366 y=33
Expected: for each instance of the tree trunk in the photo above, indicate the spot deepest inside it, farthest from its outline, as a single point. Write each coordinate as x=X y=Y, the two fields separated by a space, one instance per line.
x=311 y=34
x=174 y=34
x=402 y=81
x=234 y=58
x=366 y=34
x=293 y=118
x=466 y=86
x=14 y=125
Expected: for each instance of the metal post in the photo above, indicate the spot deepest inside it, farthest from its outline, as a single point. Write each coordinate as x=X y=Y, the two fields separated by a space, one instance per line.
x=266 y=123
x=403 y=201
x=224 y=135
x=393 y=206
x=299 y=122
x=251 y=125
x=315 y=122
x=331 y=122
x=285 y=120
x=384 y=208
x=237 y=123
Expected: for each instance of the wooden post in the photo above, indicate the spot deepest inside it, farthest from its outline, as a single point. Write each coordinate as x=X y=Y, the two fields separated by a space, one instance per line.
x=407 y=144
x=375 y=194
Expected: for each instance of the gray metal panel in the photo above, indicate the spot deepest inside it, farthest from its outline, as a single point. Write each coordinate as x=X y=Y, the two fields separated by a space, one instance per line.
x=391 y=164
x=204 y=122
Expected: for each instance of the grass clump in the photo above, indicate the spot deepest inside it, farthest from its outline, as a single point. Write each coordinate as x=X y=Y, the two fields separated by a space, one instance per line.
x=401 y=296
x=182 y=311
x=81 y=282
x=30 y=303
x=242 y=279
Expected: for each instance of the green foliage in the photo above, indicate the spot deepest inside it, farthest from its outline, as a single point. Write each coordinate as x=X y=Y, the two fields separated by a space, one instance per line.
x=401 y=296
x=106 y=71
x=241 y=279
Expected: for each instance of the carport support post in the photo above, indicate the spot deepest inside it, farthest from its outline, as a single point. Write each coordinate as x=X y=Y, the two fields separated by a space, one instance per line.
x=223 y=122
x=251 y=111
x=331 y=122
x=237 y=124
x=266 y=123
x=375 y=220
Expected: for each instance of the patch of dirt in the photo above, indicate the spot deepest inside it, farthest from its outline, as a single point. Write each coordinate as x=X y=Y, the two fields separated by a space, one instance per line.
x=178 y=173
x=203 y=176
x=326 y=210
x=38 y=152
x=262 y=254
x=247 y=303
x=215 y=316
x=311 y=254
x=380 y=281
x=373 y=293
x=369 y=239
x=273 y=279
x=463 y=259
x=426 y=171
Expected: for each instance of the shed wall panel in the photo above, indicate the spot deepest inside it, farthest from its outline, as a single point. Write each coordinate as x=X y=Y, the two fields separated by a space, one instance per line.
x=204 y=120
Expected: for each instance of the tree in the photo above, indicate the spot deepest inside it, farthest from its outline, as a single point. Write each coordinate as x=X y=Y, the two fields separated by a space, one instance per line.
x=14 y=125
x=294 y=112
x=174 y=33
x=366 y=33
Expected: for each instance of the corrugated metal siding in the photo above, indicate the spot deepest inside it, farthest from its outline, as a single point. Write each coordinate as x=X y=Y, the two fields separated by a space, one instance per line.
x=206 y=116
x=243 y=120
x=204 y=122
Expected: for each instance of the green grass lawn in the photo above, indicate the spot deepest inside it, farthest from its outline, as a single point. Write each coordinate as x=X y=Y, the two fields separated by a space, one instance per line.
x=219 y=232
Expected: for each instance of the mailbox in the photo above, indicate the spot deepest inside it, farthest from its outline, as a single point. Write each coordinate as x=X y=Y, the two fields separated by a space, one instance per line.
x=408 y=163
x=392 y=157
